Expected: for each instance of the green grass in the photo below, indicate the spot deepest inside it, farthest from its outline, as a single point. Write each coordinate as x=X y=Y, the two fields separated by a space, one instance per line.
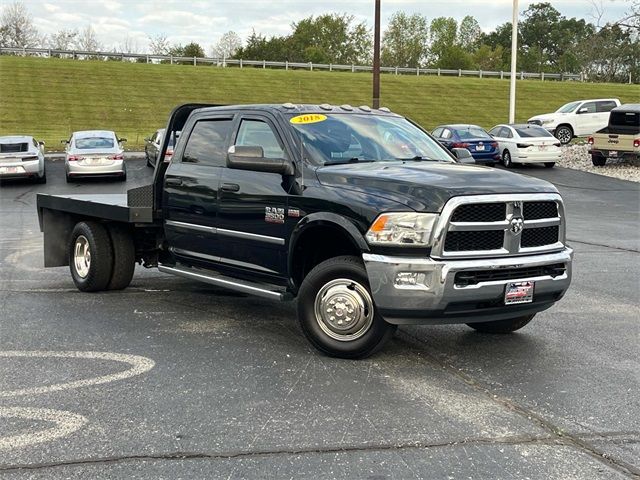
x=49 y=98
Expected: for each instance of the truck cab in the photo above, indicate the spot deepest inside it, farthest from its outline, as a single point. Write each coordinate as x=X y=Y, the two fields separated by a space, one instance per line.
x=357 y=214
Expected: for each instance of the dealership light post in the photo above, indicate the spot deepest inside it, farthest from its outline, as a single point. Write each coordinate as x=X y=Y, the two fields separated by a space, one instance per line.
x=376 y=57
x=514 y=54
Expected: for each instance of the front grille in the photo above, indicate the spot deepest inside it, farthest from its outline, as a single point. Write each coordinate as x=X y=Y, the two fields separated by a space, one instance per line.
x=461 y=241
x=480 y=212
x=538 y=237
x=475 y=227
x=474 y=277
x=538 y=210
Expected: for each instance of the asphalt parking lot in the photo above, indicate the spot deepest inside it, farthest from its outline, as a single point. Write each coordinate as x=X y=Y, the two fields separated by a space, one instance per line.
x=175 y=379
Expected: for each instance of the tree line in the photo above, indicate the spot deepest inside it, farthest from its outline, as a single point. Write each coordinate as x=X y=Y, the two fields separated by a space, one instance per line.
x=547 y=42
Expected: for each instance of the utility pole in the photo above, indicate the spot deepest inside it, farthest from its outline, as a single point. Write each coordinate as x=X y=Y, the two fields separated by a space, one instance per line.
x=376 y=57
x=514 y=54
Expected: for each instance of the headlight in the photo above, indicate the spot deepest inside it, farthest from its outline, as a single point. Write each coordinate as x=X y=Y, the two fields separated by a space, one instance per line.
x=402 y=229
x=548 y=121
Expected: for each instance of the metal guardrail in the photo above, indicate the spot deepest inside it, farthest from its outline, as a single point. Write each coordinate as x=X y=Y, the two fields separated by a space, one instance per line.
x=223 y=62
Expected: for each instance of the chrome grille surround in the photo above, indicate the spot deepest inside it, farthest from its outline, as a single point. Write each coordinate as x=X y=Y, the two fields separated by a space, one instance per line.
x=511 y=245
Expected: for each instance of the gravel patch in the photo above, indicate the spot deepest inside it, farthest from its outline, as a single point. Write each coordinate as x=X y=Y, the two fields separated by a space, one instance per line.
x=577 y=156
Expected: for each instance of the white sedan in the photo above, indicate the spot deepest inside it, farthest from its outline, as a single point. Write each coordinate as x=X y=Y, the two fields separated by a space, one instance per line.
x=94 y=153
x=22 y=157
x=526 y=143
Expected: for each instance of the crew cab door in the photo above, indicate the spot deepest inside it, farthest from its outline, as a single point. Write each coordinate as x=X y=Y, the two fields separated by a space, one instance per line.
x=253 y=205
x=587 y=119
x=191 y=189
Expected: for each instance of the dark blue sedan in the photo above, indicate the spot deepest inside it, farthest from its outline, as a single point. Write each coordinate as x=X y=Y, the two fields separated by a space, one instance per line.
x=482 y=146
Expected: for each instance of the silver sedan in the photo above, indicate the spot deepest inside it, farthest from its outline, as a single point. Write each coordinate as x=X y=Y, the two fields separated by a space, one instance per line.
x=22 y=157
x=94 y=153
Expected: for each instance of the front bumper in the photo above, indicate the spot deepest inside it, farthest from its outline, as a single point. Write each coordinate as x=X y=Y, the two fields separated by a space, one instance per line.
x=440 y=300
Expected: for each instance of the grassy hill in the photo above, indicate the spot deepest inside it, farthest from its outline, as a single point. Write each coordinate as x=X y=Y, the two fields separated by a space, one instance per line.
x=49 y=98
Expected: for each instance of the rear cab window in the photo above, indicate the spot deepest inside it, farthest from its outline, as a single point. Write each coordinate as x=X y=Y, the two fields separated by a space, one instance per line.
x=207 y=142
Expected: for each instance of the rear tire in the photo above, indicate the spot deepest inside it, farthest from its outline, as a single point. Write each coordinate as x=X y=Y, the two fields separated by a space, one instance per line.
x=124 y=257
x=598 y=160
x=336 y=311
x=502 y=326
x=42 y=179
x=549 y=164
x=90 y=257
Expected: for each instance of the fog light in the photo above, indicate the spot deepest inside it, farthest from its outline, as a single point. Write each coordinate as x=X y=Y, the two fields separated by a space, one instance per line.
x=411 y=280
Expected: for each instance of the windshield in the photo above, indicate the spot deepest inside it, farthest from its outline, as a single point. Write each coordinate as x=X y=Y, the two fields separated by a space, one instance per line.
x=533 y=131
x=471 y=132
x=343 y=138
x=90 y=143
x=568 y=108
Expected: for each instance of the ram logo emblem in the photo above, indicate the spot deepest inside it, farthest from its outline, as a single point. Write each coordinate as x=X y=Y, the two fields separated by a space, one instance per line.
x=516 y=226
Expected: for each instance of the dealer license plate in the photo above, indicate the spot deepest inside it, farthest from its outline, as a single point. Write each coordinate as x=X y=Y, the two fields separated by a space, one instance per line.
x=518 y=292
x=542 y=147
x=9 y=170
x=479 y=148
x=613 y=153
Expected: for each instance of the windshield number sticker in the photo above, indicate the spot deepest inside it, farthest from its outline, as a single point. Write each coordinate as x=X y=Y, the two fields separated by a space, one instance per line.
x=308 y=118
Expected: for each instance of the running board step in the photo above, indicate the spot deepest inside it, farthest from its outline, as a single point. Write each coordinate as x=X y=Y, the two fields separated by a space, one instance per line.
x=244 y=286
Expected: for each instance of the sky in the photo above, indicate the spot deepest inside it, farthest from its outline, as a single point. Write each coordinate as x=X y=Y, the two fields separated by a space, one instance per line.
x=204 y=22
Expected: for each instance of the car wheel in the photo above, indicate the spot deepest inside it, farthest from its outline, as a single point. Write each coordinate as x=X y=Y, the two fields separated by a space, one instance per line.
x=502 y=326
x=336 y=311
x=549 y=164
x=90 y=257
x=124 y=257
x=564 y=134
x=598 y=160
x=42 y=179
x=506 y=159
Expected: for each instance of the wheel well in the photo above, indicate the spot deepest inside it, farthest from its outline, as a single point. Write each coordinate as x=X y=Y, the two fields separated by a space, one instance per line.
x=565 y=125
x=317 y=244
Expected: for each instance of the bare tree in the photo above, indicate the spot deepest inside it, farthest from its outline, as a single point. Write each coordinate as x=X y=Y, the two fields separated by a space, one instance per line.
x=129 y=45
x=16 y=27
x=87 y=40
x=227 y=46
x=159 y=45
x=63 y=40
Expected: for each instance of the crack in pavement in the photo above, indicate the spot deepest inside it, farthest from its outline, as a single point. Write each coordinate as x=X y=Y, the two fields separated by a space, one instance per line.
x=477 y=441
x=632 y=250
x=554 y=431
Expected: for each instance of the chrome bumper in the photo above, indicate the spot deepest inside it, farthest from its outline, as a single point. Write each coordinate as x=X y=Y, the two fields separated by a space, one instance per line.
x=437 y=299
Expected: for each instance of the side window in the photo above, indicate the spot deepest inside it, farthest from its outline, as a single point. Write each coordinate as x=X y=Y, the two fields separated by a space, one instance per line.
x=495 y=131
x=590 y=106
x=207 y=142
x=446 y=133
x=256 y=133
x=605 y=106
x=506 y=133
x=437 y=132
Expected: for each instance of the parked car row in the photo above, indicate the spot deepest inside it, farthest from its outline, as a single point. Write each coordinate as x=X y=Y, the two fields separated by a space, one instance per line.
x=508 y=143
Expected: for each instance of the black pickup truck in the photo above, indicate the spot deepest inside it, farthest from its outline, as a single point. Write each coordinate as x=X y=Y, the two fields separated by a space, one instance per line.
x=359 y=214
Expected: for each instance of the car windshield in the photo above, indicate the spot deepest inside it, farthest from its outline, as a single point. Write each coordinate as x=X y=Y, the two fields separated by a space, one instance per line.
x=344 y=138
x=532 y=131
x=91 y=143
x=568 y=108
x=471 y=132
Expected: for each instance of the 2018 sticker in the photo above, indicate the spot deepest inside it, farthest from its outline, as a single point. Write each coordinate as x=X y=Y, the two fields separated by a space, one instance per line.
x=308 y=118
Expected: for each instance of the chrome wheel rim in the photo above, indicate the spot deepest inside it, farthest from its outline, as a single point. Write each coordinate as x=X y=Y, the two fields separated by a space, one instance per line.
x=344 y=309
x=564 y=135
x=82 y=256
x=506 y=159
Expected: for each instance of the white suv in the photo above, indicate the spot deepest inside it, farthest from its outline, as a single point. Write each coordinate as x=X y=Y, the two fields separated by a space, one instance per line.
x=579 y=118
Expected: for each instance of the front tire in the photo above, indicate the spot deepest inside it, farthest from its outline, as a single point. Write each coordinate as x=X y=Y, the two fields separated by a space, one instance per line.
x=564 y=134
x=506 y=159
x=336 y=311
x=502 y=326
x=90 y=257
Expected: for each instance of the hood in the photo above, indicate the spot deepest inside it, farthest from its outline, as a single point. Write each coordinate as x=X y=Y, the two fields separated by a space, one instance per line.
x=547 y=116
x=426 y=186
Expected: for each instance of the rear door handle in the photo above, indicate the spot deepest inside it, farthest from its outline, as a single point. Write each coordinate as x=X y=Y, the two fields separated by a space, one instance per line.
x=173 y=182
x=230 y=187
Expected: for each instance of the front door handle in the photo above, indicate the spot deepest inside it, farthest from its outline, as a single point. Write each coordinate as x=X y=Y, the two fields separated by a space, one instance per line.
x=230 y=187
x=173 y=182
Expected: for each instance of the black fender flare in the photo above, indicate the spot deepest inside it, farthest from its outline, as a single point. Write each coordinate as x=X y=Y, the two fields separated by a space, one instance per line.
x=324 y=219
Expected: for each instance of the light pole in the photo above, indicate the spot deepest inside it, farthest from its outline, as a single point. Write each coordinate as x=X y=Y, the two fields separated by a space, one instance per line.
x=376 y=57
x=514 y=54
